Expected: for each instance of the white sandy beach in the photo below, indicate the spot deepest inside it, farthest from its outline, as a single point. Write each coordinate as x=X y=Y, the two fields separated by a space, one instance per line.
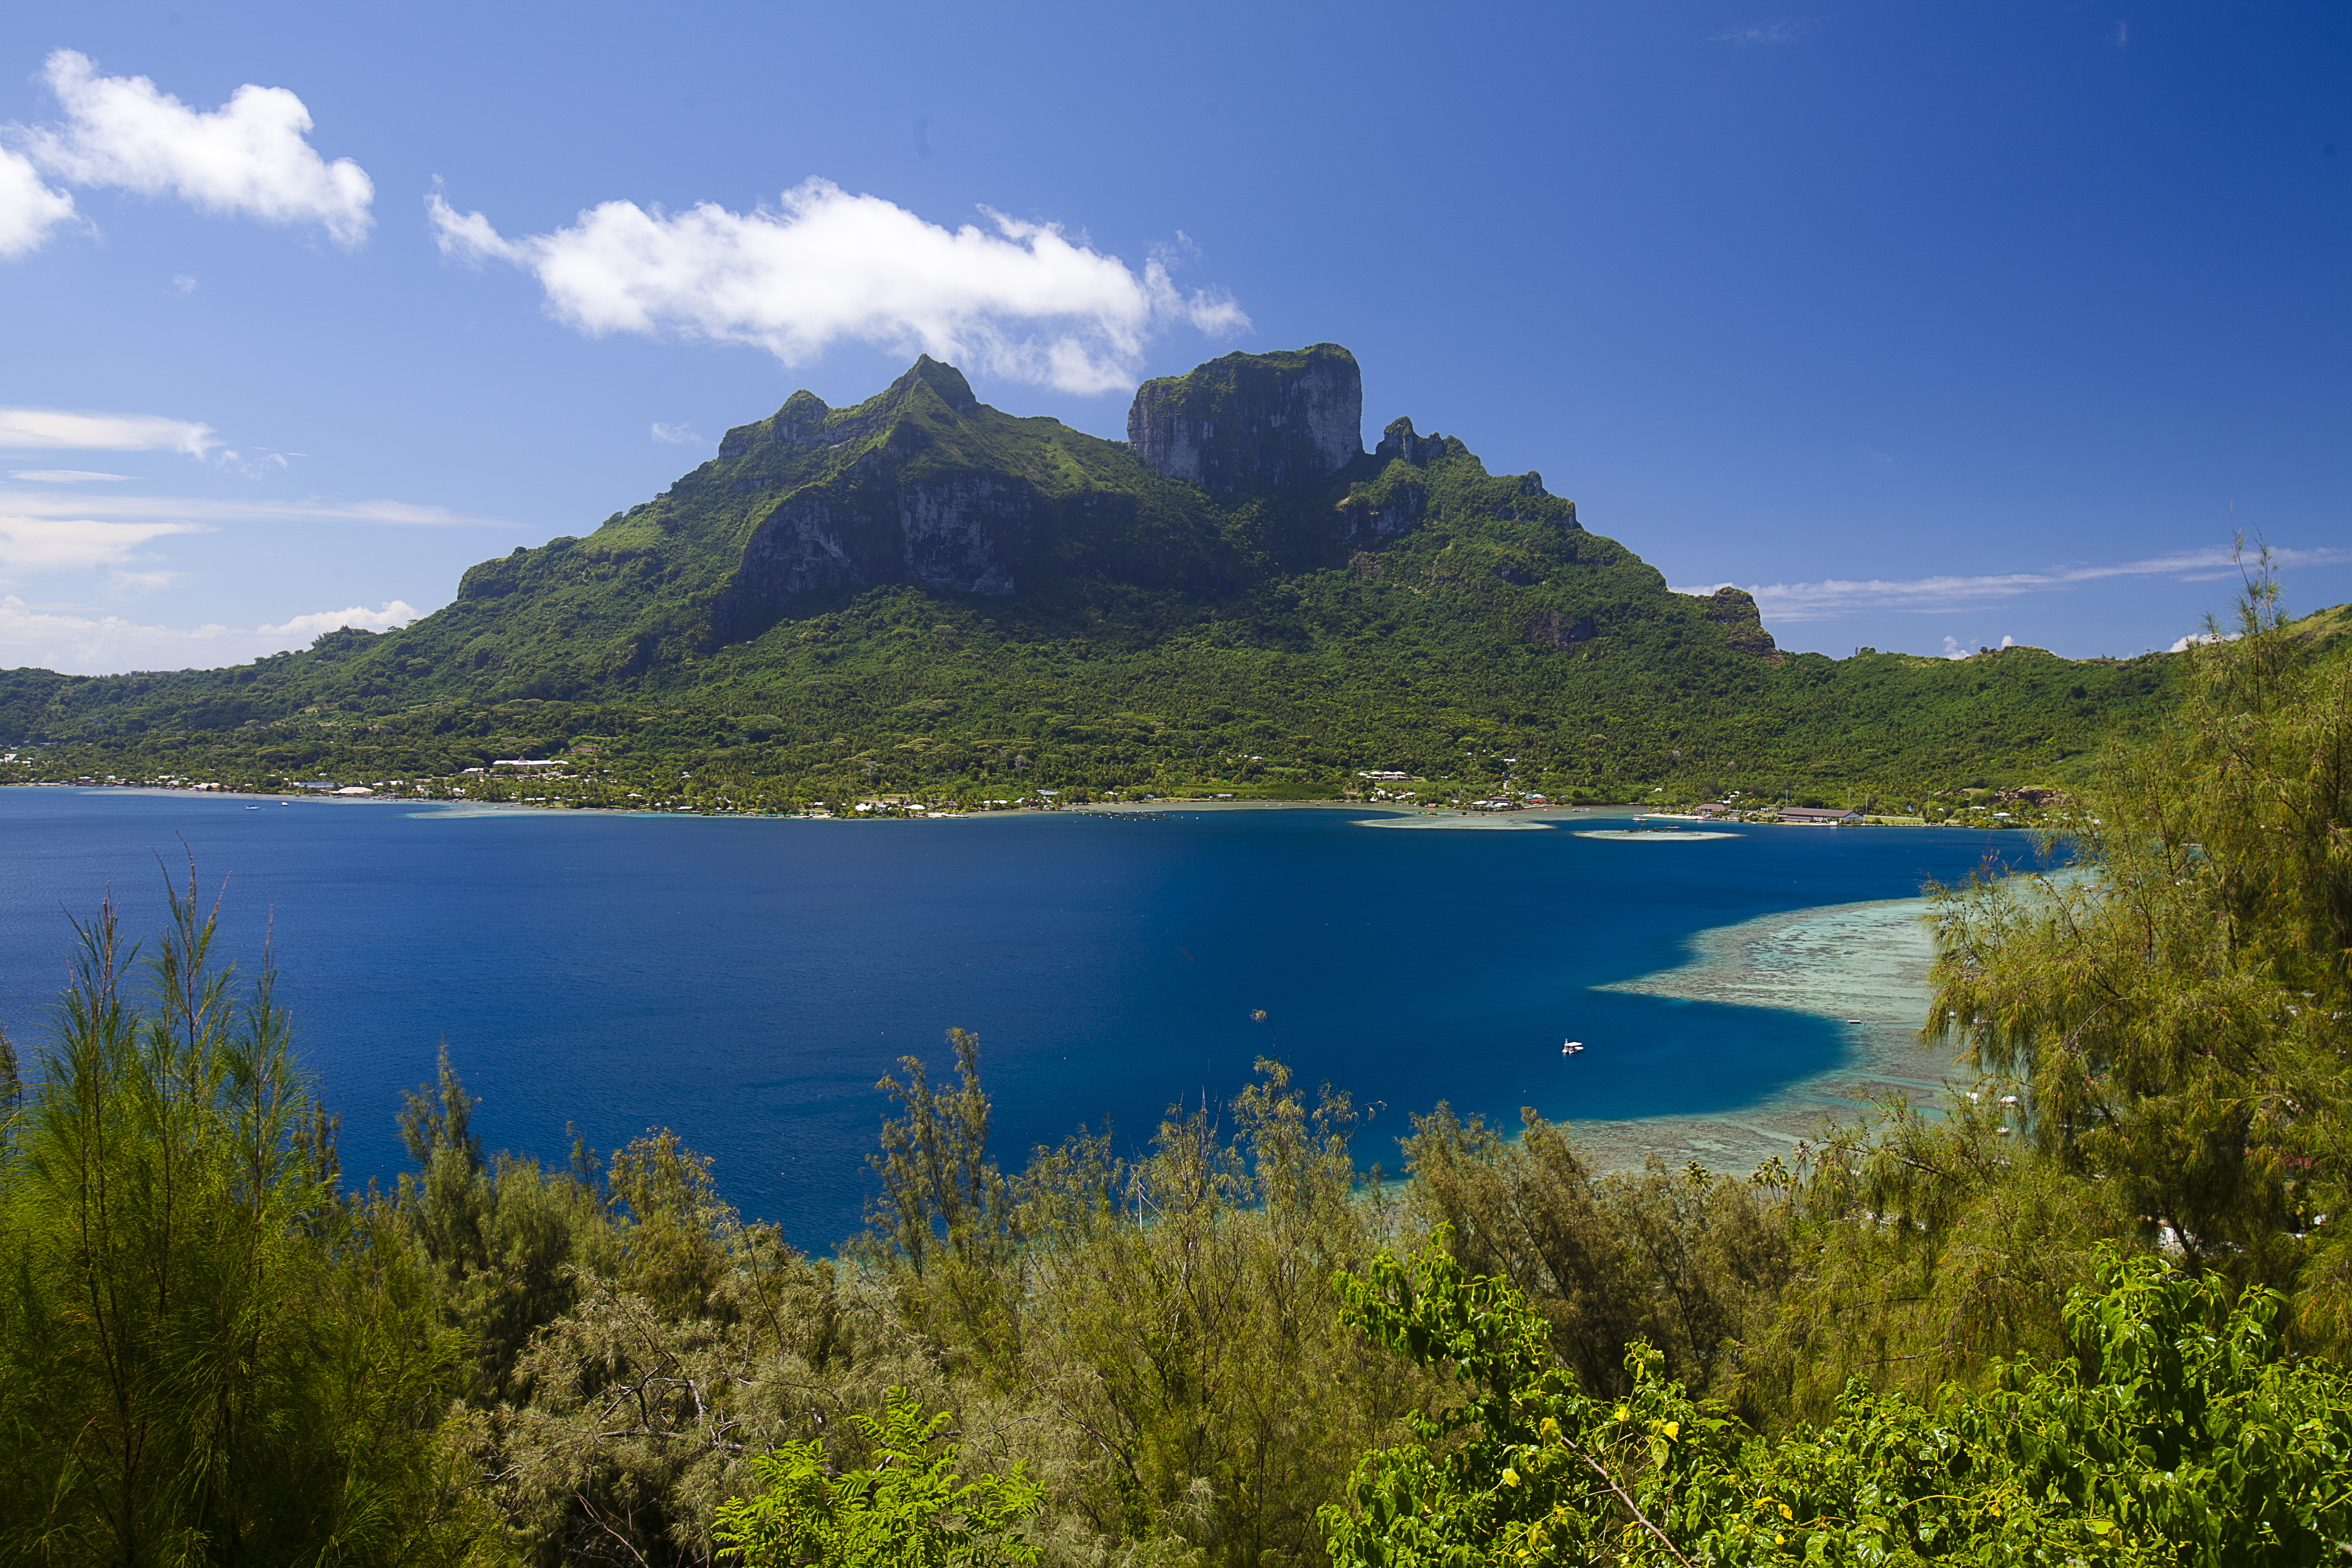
x=1642 y=835
x=1454 y=821
x=1492 y=821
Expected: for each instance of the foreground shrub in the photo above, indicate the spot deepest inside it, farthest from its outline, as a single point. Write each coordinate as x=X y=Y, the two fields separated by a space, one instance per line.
x=2181 y=1434
x=207 y=1354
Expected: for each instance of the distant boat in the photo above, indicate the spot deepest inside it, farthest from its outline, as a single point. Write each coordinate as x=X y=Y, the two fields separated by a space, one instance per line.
x=1571 y=1047
x=253 y=808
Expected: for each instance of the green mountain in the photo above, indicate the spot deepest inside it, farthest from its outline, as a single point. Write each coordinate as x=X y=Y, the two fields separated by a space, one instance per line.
x=924 y=593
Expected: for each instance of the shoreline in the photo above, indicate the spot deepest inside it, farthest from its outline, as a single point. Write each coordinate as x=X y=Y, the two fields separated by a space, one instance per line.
x=1401 y=817
x=1864 y=965
x=1404 y=817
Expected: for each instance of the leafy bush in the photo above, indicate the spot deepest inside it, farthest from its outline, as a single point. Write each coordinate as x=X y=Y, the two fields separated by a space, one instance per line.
x=2182 y=1434
x=909 y=1508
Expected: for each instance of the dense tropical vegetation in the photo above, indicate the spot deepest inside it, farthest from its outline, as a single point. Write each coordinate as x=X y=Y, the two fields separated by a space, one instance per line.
x=779 y=629
x=2096 y=1307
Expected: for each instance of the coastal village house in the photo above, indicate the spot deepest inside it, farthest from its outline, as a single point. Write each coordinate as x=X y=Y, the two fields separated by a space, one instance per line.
x=1818 y=817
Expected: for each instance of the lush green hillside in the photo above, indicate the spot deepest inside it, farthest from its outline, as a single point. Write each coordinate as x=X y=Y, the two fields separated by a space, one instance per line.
x=924 y=594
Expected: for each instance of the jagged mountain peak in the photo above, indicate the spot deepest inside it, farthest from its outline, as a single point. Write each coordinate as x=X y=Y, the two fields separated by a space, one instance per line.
x=944 y=379
x=1241 y=473
x=805 y=420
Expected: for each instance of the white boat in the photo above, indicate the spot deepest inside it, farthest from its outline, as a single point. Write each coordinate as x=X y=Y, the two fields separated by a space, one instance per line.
x=1571 y=1047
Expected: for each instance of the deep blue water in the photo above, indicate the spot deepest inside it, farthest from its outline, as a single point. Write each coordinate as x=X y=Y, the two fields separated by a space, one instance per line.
x=746 y=982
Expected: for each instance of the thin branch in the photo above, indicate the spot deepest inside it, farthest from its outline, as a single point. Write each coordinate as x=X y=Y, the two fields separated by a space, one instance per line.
x=598 y=1519
x=1630 y=1506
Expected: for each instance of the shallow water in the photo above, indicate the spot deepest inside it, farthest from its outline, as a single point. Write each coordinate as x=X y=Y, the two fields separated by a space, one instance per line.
x=746 y=982
x=1862 y=965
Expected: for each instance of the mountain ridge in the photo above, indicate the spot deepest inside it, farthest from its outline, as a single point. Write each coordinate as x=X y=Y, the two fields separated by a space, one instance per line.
x=924 y=591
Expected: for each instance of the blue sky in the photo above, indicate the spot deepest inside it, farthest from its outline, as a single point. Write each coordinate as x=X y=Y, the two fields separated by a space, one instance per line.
x=1933 y=324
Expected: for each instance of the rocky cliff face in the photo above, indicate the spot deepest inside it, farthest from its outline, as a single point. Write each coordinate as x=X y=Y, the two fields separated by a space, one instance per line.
x=1243 y=422
x=961 y=533
x=1253 y=421
x=873 y=510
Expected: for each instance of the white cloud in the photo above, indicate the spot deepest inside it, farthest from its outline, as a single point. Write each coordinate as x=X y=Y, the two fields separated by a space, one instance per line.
x=53 y=531
x=2194 y=639
x=60 y=476
x=80 y=641
x=1024 y=303
x=29 y=545
x=1955 y=649
x=183 y=285
x=1838 y=596
x=406 y=514
x=675 y=435
x=28 y=208
x=394 y=613
x=60 y=430
x=247 y=157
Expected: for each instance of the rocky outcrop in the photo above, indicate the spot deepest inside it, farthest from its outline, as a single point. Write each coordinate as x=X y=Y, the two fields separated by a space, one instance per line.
x=1253 y=421
x=1398 y=440
x=1734 y=609
x=1384 y=515
x=1400 y=495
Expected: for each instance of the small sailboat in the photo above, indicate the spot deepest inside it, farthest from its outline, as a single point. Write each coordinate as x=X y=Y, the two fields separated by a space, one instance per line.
x=1571 y=1047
